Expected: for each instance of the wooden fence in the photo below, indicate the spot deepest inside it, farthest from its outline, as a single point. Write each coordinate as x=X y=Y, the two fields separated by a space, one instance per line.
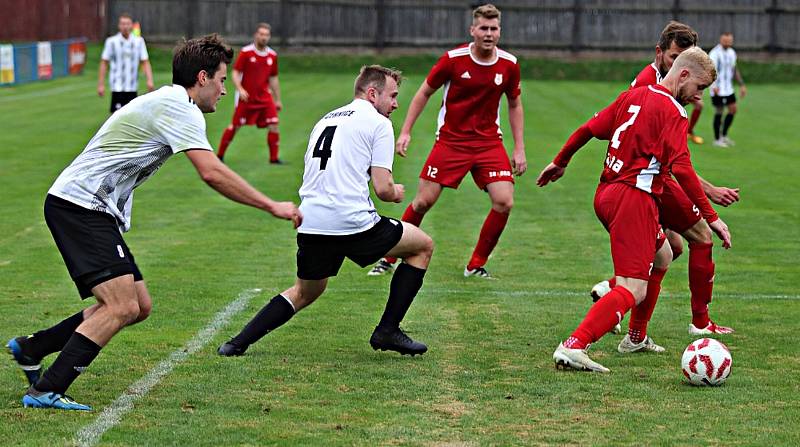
x=573 y=25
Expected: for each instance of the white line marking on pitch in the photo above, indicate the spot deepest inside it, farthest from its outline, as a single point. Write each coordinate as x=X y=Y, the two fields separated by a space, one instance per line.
x=112 y=414
x=518 y=293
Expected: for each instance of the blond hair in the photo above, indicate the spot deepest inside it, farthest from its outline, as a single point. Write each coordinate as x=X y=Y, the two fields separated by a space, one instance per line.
x=375 y=76
x=487 y=11
x=696 y=60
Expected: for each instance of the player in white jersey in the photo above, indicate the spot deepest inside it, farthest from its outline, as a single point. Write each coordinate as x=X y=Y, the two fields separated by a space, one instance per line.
x=722 y=91
x=89 y=206
x=349 y=147
x=125 y=52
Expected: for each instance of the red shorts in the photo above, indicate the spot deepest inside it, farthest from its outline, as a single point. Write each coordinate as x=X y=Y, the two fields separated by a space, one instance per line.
x=447 y=164
x=631 y=218
x=260 y=114
x=675 y=210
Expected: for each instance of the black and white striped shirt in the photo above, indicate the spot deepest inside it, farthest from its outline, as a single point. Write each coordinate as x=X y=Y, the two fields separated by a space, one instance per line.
x=124 y=56
x=725 y=62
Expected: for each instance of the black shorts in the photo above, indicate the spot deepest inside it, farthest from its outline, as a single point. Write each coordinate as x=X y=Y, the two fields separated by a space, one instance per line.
x=719 y=101
x=320 y=256
x=90 y=243
x=119 y=99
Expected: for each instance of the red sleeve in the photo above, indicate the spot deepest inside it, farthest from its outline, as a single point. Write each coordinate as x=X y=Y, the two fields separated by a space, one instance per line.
x=684 y=173
x=602 y=124
x=240 y=62
x=576 y=141
x=274 y=65
x=514 y=89
x=440 y=72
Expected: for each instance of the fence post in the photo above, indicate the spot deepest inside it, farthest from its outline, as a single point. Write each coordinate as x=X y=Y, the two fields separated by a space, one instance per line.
x=773 y=11
x=577 y=11
x=380 y=24
x=676 y=10
x=284 y=27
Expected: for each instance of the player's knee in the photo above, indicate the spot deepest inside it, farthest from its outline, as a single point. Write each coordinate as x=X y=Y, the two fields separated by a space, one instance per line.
x=503 y=205
x=125 y=312
x=677 y=251
x=144 y=310
x=426 y=250
x=421 y=205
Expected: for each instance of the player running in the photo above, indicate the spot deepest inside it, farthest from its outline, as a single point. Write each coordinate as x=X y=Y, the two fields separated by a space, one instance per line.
x=722 y=92
x=258 y=92
x=646 y=129
x=349 y=147
x=474 y=76
x=89 y=206
x=679 y=217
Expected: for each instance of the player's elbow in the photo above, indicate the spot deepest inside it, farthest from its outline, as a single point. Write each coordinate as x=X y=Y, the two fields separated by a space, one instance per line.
x=212 y=176
x=385 y=193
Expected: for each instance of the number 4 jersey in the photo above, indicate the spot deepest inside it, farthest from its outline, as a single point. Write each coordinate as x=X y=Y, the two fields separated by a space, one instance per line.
x=344 y=145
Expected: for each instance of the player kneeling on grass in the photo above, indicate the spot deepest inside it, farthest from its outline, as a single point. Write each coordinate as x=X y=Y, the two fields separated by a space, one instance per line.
x=646 y=128
x=348 y=147
x=89 y=207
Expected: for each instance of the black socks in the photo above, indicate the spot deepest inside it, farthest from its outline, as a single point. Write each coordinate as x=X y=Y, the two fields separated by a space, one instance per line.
x=717 y=122
x=53 y=339
x=277 y=312
x=727 y=124
x=76 y=356
x=406 y=282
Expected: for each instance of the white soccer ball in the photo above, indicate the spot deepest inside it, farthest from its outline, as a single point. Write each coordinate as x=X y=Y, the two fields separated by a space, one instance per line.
x=706 y=362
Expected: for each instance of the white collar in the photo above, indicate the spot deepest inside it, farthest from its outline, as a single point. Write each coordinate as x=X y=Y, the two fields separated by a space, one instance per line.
x=472 y=56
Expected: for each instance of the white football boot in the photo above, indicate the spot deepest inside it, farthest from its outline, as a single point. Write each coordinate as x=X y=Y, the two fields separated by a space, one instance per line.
x=600 y=290
x=711 y=329
x=626 y=346
x=576 y=359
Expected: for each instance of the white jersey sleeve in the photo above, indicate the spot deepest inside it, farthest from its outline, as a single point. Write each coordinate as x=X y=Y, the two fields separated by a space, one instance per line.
x=182 y=127
x=108 y=50
x=143 y=56
x=383 y=146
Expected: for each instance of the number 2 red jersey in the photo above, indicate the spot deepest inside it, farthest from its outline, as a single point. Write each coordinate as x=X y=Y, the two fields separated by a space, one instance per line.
x=646 y=129
x=470 y=110
x=256 y=68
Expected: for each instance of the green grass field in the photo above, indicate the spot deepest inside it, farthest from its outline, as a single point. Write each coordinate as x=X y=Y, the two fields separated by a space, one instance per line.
x=488 y=378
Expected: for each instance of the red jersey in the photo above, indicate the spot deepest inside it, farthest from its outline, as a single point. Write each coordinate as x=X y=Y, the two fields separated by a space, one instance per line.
x=648 y=76
x=256 y=68
x=471 y=103
x=646 y=128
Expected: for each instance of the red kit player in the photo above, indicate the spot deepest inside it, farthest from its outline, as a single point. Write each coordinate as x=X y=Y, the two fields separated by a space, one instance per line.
x=646 y=129
x=678 y=216
x=474 y=78
x=258 y=94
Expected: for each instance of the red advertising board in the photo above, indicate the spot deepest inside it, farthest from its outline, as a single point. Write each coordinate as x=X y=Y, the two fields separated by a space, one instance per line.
x=77 y=57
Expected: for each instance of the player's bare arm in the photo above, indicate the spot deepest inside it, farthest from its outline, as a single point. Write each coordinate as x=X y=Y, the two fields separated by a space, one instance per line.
x=275 y=90
x=721 y=195
x=232 y=186
x=148 y=73
x=740 y=80
x=101 y=77
x=414 y=110
x=236 y=77
x=385 y=187
x=516 y=118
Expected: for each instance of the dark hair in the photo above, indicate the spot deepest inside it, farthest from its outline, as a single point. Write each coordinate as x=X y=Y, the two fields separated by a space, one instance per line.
x=683 y=36
x=195 y=55
x=125 y=15
x=375 y=76
x=264 y=25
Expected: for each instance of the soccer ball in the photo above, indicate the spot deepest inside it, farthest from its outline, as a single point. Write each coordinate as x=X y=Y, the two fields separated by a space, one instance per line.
x=706 y=362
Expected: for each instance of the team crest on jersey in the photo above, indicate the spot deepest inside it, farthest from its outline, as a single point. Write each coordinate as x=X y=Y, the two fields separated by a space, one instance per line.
x=498 y=78
x=269 y=61
x=252 y=58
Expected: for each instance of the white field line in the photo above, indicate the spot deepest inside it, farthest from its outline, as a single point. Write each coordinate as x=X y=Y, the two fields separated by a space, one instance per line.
x=112 y=415
x=46 y=91
x=557 y=293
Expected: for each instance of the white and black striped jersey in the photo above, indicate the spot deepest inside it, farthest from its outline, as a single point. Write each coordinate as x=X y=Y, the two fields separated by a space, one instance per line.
x=124 y=56
x=725 y=62
x=129 y=148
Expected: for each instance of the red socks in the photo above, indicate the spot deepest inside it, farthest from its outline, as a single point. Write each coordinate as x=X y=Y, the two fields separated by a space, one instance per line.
x=641 y=313
x=693 y=120
x=272 y=141
x=601 y=318
x=492 y=228
x=701 y=282
x=412 y=217
x=227 y=136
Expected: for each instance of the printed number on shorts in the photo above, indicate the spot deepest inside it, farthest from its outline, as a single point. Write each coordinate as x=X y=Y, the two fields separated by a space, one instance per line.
x=432 y=171
x=322 y=149
x=634 y=109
